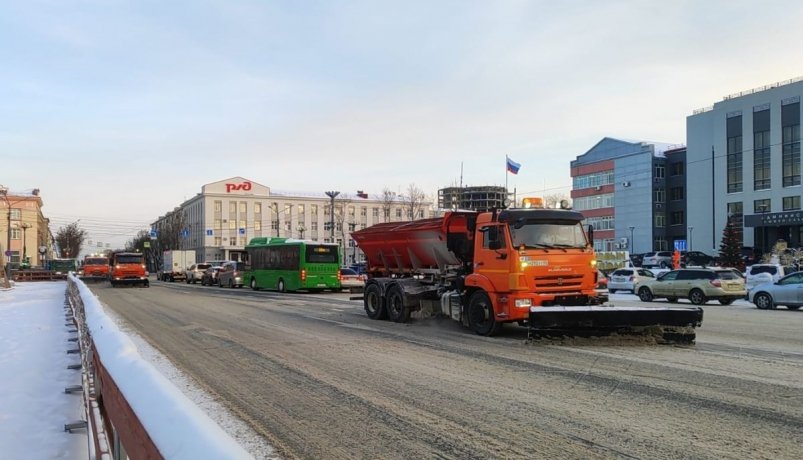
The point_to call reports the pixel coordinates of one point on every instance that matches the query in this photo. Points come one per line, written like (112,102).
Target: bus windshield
(545,235)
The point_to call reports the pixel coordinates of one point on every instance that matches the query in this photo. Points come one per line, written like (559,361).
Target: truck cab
(128,268)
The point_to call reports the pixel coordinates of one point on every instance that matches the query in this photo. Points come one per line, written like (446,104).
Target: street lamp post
(631,238)
(691,230)
(25,226)
(332,194)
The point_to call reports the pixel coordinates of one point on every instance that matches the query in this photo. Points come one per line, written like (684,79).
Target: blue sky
(119,110)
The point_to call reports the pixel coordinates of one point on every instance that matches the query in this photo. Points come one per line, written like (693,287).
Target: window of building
(600,223)
(232,224)
(232,207)
(734,154)
(257,225)
(676,168)
(761,160)
(274,224)
(339,226)
(421,214)
(676,193)
(218,206)
(218,224)
(288,225)
(398,212)
(300,209)
(314,225)
(593,180)
(313,209)
(16,214)
(243,224)
(660,219)
(660,171)
(16,234)
(288,210)
(660,244)
(375,212)
(586,203)
(677,218)
(363,212)
(791,203)
(351,211)
(790,121)
(761,206)
(736,217)
(257,208)
(243,207)
(659,195)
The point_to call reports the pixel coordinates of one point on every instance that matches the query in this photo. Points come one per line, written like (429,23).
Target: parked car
(196,272)
(636,259)
(763,273)
(662,259)
(695,258)
(209,278)
(787,291)
(231,274)
(625,279)
(699,285)
(351,280)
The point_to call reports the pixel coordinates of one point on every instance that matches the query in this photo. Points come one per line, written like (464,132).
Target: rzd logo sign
(244,186)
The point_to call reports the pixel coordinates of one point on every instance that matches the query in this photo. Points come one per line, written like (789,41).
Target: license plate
(321,285)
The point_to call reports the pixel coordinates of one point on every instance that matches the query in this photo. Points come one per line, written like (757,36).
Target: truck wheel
(481,315)
(697,297)
(397,311)
(372,299)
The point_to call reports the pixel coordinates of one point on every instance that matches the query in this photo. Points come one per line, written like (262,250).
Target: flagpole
(506,174)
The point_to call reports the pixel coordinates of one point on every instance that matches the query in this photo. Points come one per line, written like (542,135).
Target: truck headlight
(524,302)
(593,263)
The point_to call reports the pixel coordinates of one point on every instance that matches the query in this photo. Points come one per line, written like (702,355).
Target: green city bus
(286,264)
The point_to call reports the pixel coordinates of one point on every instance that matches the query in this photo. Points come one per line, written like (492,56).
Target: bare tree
(70,240)
(553,200)
(387,199)
(413,201)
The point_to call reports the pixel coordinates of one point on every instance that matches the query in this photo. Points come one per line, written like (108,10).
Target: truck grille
(558,283)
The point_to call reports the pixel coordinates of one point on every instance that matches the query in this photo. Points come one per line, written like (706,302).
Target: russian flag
(512,166)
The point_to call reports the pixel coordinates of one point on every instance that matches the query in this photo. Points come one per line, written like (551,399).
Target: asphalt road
(320,380)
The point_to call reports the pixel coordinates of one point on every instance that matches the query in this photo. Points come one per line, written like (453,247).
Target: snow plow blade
(675,324)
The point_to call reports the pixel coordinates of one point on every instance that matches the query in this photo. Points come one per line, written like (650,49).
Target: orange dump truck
(534,266)
(95,268)
(128,268)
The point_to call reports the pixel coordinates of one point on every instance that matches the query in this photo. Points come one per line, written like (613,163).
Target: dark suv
(695,258)
(699,285)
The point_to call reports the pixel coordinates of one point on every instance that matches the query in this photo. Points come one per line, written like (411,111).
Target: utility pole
(332,195)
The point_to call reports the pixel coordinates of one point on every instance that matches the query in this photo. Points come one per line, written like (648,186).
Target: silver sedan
(787,291)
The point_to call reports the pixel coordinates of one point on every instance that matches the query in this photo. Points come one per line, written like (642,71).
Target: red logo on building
(244,186)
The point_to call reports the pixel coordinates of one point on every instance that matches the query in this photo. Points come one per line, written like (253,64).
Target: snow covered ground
(185,422)
(33,357)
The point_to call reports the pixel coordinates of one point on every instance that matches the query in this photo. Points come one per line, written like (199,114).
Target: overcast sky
(120,110)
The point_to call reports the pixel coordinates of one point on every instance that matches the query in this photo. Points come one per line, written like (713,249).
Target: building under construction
(474,198)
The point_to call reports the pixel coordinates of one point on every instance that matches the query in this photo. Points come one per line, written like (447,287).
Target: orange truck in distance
(128,268)
(95,268)
(533,266)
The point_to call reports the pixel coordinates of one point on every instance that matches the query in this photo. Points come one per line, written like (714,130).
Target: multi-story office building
(483,198)
(621,189)
(222,219)
(29,237)
(743,165)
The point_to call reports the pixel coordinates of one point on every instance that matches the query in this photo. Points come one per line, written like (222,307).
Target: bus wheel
(396,309)
(481,315)
(281,287)
(372,299)
(254,284)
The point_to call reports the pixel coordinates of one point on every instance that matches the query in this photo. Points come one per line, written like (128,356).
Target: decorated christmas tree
(730,250)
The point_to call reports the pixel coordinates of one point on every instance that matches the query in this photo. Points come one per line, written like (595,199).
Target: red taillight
(339,276)
(716,283)
(303,275)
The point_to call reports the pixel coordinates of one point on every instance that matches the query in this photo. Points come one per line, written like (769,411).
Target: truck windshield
(548,236)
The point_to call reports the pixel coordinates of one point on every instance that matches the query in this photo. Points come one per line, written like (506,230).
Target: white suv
(196,272)
(762,273)
(662,259)
(625,279)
